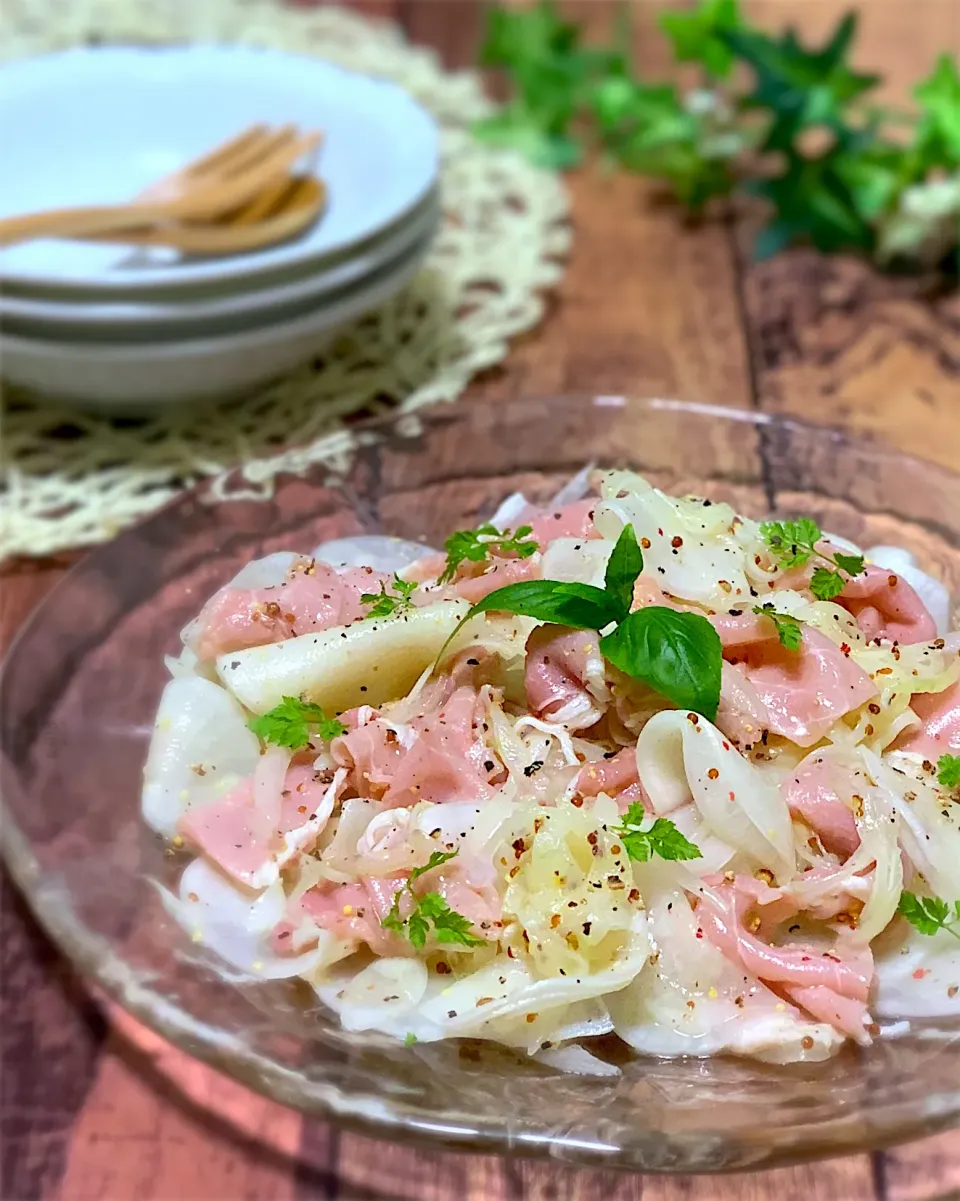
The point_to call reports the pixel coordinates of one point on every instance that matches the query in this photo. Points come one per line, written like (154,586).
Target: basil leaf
(563,603)
(625,564)
(677,654)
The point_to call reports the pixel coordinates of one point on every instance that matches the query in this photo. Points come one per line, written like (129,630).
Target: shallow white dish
(124,378)
(95,126)
(166,317)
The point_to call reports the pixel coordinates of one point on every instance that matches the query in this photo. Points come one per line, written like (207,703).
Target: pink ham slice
(497,574)
(313,597)
(803,692)
(939,733)
(556,671)
(234,832)
(832,986)
(886,606)
(815,792)
(351,912)
(439,757)
(568,521)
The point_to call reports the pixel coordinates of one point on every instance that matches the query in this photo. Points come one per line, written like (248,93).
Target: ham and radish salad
(631,763)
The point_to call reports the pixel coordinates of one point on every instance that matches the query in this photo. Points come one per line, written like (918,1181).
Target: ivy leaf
(948,771)
(694,34)
(294,723)
(789,629)
(623,567)
(516,128)
(801,88)
(939,98)
(677,654)
(642,841)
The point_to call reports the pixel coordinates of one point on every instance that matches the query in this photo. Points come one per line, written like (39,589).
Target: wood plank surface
(94,1107)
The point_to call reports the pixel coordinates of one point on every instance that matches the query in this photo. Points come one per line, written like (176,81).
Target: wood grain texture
(91,1110)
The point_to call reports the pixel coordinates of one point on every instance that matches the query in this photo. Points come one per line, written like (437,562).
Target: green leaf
(948,771)
(695,34)
(623,567)
(851,564)
(448,925)
(939,97)
(791,542)
(386,604)
(476,546)
(568,604)
(677,654)
(926,914)
(789,630)
(516,129)
(410,1039)
(642,841)
(826,584)
(294,723)
(435,860)
(801,88)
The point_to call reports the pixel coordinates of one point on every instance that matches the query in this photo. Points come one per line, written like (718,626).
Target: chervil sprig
(793,544)
(789,630)
(929,915)
(475,546)
(295,723)
(642,840)
(429,913)
(392,603)
(948,771)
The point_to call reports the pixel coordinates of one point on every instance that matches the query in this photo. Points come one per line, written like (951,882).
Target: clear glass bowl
(82,682)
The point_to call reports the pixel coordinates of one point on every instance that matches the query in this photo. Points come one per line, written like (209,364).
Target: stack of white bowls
(118,327)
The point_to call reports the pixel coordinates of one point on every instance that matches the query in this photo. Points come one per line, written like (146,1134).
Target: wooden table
(99,1108)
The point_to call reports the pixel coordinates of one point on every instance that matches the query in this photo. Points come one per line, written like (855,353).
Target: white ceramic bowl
(128,377)
(96,126)
(197,315)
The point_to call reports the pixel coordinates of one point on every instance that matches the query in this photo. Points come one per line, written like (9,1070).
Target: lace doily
(73,478)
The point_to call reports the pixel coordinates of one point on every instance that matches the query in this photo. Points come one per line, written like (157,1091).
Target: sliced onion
(378,551)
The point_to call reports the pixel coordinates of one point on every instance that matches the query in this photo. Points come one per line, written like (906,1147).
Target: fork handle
(80,222)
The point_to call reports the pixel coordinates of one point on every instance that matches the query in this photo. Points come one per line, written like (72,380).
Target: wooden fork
(274,215)
(219,182)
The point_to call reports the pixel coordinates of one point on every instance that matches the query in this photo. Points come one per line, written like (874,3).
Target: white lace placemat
(72,478)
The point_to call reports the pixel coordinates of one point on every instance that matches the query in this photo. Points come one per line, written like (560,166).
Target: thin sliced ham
(568,521)
(821,793)
(803,692)
(242,837)
(438,757)
(497,574)
(831,986)
(312,598)
(886,606)
(610,776)
(939,732)
(561,665)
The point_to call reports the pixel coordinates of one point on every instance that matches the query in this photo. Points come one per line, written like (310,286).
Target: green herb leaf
(948,771)
(475,546)
(623,567)
(430,910)
(386,603)
(410,1039)
(642,840)
(563,603)
(695,34)
(851,564)
(789,630)
(929,914)
(826,584)
(791,542)
(678,654)
(294,723)
(435,860)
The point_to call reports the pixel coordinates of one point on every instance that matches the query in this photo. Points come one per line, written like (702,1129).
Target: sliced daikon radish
(371,661)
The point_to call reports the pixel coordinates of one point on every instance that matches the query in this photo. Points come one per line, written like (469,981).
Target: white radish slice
(367,663)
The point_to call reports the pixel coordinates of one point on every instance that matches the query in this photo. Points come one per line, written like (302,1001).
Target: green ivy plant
(770,117)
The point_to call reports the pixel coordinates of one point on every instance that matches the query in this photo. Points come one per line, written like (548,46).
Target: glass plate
(82,682)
